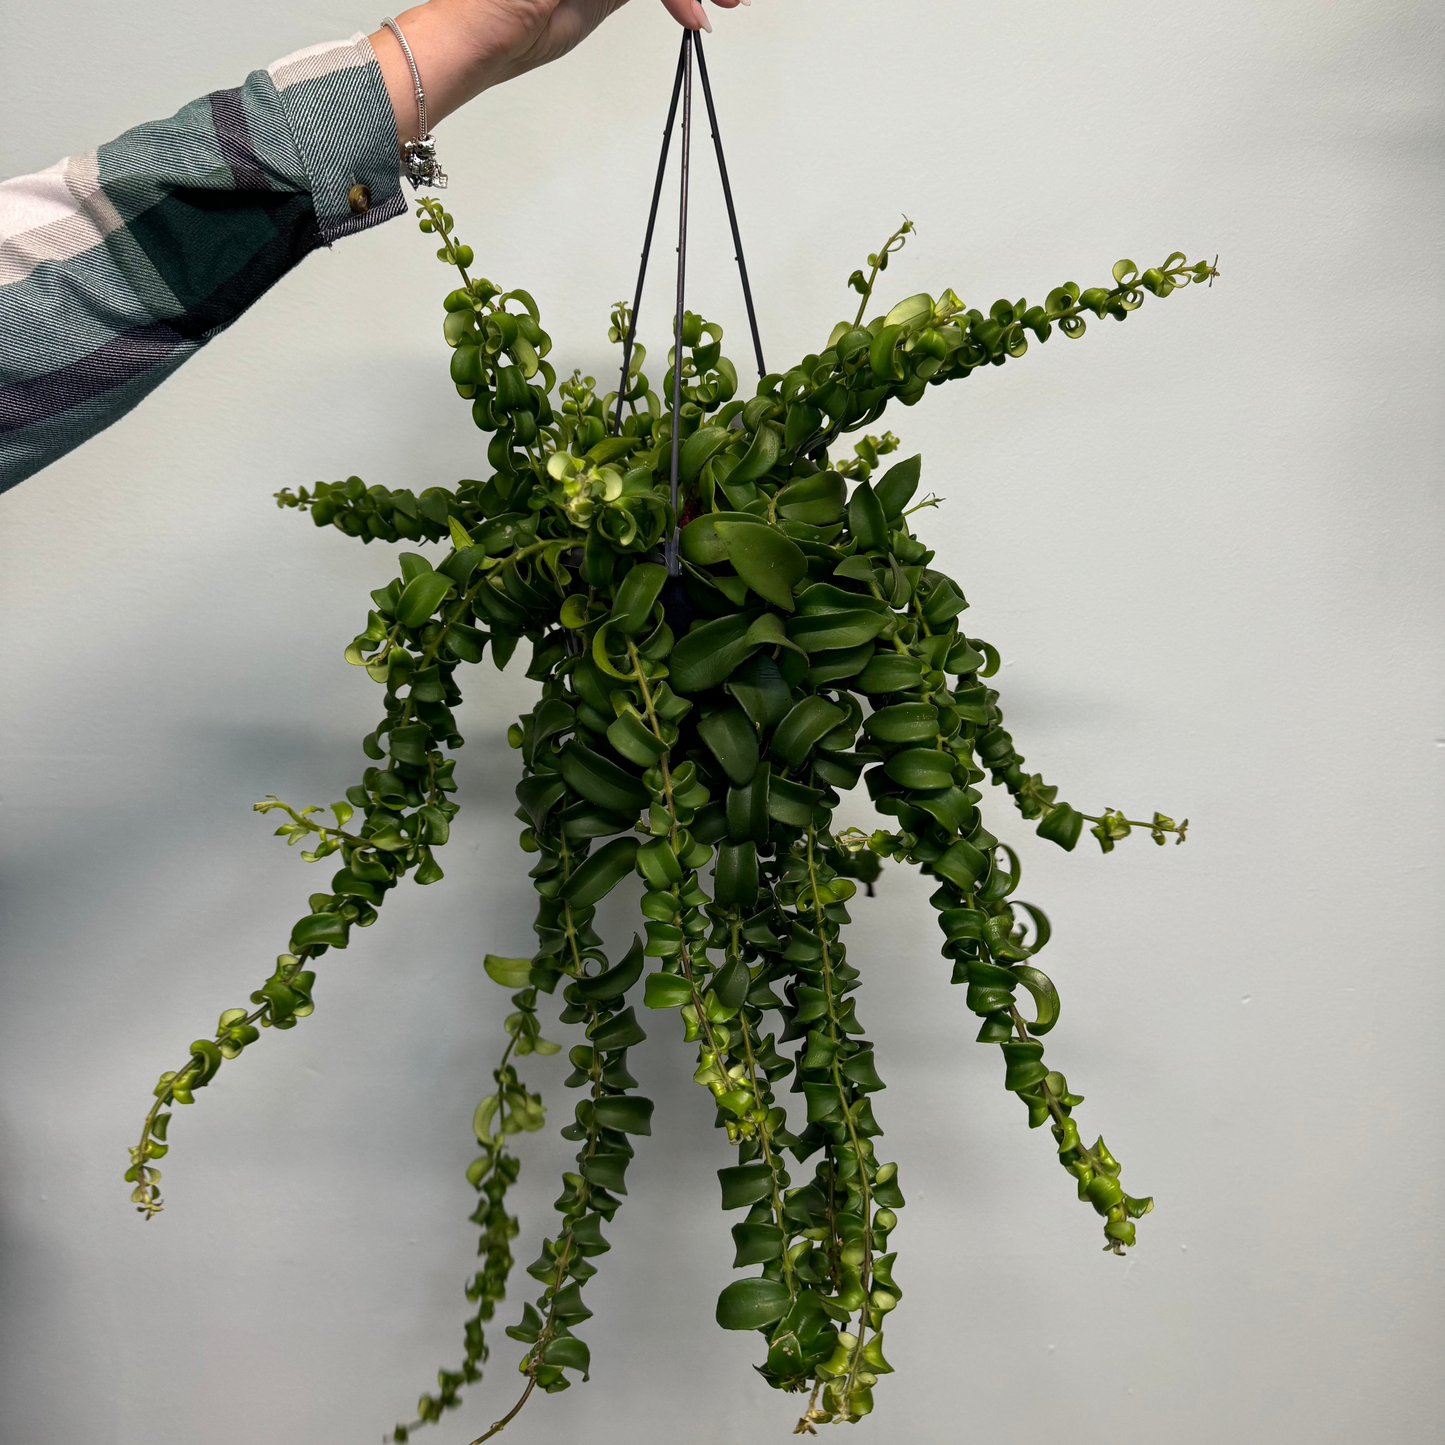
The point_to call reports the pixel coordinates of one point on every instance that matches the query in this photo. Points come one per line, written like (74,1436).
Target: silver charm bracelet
(419,156)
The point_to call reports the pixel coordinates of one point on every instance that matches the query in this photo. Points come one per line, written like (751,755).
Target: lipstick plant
(731,621)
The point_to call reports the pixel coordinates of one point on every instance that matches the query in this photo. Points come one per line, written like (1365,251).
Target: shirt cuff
(340,115)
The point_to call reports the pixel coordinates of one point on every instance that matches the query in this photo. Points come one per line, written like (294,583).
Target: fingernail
(702,15)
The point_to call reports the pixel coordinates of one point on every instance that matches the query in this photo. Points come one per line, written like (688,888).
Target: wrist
(449,43)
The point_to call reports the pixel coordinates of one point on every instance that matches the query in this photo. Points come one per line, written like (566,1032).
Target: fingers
(688,13)
(691,15)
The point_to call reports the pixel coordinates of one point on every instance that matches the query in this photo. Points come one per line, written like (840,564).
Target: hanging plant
(700,714)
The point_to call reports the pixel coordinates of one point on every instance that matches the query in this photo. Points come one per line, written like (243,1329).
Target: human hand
(463,47)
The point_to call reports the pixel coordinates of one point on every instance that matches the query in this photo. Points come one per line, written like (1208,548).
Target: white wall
(1207,544)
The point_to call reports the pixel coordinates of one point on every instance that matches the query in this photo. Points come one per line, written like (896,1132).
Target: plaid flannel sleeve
(118,265)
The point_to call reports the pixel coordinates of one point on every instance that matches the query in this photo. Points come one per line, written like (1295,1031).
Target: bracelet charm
(419,157)
(420,165)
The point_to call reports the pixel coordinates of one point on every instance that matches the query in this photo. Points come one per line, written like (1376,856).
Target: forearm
(118,265)
(457,59)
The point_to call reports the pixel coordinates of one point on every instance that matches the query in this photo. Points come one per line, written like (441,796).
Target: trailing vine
(696,732)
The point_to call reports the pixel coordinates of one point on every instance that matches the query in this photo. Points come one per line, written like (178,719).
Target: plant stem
(865,1272)
(699,1006)
(511,1414)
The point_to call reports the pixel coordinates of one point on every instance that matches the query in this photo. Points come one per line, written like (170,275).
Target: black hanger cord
(682,89)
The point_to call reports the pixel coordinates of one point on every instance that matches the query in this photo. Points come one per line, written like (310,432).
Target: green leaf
(610,449)
(963,865)
(601,781)
(708,654)
(482,1118)
(745,1184)
(762,690)
(769,630)
(881,357)
(803,423)
(205,1059)
(733,741)
(659,866)
(971,703)
(567,1304)
(735,879)
(413,565)
(912,309)
(699,542)
(509,972)
(635,740)
(504,644)
(747,809)
(666,990)
(822,1050)
(552,716)
(626,1113)
(538,794)
(860,1070)
(833,666)
(1062,826)
(891,672)
(959,923)
(944,602)
(823,1102)
(637,595)
(949,804)
(904,722)
(829,631)
(990,987)
(1023,1063)
(705,442)
(841,771)
(924,769)
(890,1196)
(460,565)
(529,1328)
(597,877)
(615,981)
(571,1354)
(320,928)
(1045,996)
(468,643)
(761,455)
(731,983)
(866,520)
(582,820)
(607,1170)
(409,744)
(421,597)
(896,489)
(791,802)
(587,1236)
(825,597)
(770,563)
(621,1031)
(752,1304)
(809,720)
(756,1243)
(817,500)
